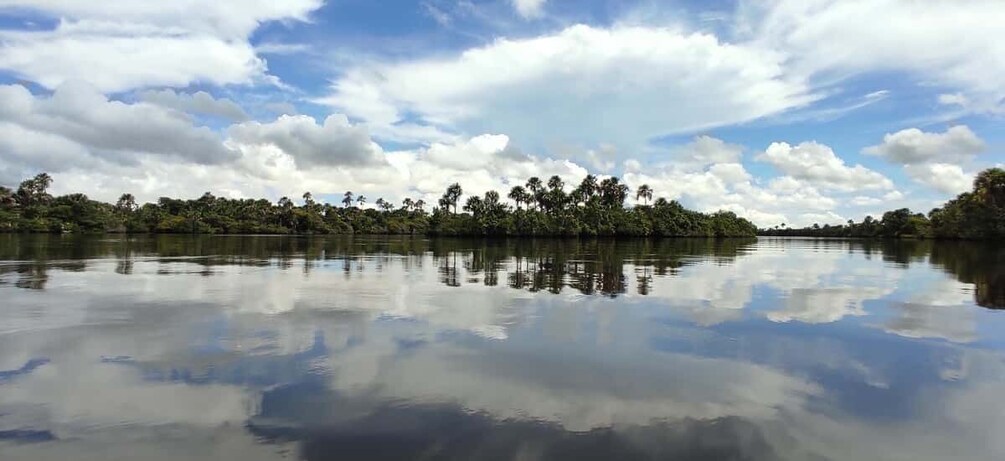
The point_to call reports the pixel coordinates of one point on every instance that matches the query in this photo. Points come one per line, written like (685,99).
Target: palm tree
(407,204)
(645,192)
(452,195)
(536,188)
(519,195)
(361,200)
(989,187)
(612,192)
(420,204)
(384,204)
(347,199)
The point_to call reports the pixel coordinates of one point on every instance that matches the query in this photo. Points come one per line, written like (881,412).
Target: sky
(783,111)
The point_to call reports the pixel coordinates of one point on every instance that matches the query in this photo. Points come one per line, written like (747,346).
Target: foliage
(543,208)
(975,215)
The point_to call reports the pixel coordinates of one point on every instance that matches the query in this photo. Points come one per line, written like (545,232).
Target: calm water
(257,348)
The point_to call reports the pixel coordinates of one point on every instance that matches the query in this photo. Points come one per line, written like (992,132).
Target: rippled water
(248,348)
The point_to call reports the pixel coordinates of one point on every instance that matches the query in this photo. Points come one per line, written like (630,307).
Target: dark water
(249,348)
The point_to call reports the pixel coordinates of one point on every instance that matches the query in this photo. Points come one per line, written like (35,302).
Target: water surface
(260,348)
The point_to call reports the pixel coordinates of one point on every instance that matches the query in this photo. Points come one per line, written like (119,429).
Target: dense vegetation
(592,208)
(979,214)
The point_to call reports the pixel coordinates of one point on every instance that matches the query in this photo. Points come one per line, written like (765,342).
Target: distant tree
(989,187)
(7,199)
(361,200)
(347,199)
(536,189)
(452,195)
(519,195)
(126,203)
(613,193)
(645,192)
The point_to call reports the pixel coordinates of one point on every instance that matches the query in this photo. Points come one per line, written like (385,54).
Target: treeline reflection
(591,267)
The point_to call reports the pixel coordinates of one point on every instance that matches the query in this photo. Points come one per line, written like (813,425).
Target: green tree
(644,192)
(451,196)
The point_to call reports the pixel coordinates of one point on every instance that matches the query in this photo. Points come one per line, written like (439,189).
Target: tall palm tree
(452,195)
(420,204)
(645,192)
(536,188)
(518,194)
(361,200)
(407,204)
(989,187)
(347,199)
(613,192)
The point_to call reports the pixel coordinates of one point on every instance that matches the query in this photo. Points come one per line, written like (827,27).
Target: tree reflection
(982,265)
(591,267)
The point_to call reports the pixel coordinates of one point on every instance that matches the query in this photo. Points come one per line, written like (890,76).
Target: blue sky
(782,111)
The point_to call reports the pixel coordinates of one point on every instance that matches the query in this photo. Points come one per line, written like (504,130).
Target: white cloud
(118,46)
(728,186)
(114,63)
(583,85)
(913,146)
(932,159)
(940,42)
(529,8)
(225,18)
(943,177)
(819,165)
(200,102)
(704,151)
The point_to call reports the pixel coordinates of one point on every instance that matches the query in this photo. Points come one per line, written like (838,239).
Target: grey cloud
(335,142)
(201,103)
(82,122)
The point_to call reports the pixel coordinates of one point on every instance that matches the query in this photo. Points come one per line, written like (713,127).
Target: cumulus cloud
(529,8)
(932,159)
(200,102)
(943,177)
(77,121)
(334,142)
(913,146)
(706,174)
(118,46)
(585,85)
(817,163)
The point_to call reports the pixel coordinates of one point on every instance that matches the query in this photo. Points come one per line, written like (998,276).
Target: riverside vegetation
(592,208)
(975,215)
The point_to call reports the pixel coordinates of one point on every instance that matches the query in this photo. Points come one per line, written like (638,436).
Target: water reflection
(588,266)
(374,348)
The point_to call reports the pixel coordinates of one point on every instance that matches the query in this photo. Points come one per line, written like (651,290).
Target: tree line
(975,215)
(593,207)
